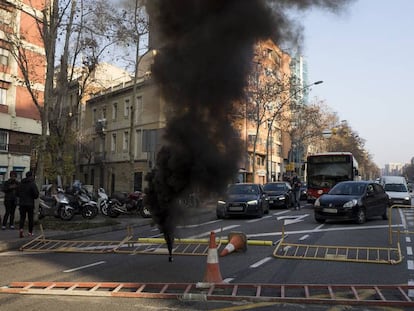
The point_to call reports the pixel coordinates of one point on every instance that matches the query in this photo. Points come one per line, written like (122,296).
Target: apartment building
(123,135)
(19,118)
(273,142)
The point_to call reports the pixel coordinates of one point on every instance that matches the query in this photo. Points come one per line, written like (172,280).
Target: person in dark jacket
(10,199)
(27,193)
(296,184)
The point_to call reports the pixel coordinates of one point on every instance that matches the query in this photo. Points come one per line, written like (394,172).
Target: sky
(365,56)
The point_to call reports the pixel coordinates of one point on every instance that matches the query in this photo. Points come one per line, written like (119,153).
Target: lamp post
(297,144)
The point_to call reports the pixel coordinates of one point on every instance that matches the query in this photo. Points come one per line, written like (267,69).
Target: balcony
(15,148)
(100,126)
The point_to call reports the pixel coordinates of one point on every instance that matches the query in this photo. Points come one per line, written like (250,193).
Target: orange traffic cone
(237,241)
(212,274)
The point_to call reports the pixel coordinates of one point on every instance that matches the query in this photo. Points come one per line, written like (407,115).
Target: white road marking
(215,231)
(410,264)
(304,237)
(259,219)
(408,239)
(281,213)
(411,291)
(260,262)
(287,220)
(228,280)
(409,250)
(84,267)
(202,224)
(257,235)
(402,218)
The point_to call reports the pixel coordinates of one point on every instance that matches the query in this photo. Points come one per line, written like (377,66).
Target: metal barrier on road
(345,294)
(361,254)
(128,245)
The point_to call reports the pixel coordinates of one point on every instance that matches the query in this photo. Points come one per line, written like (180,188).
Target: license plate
(235,208)
(270,201)
(330,210)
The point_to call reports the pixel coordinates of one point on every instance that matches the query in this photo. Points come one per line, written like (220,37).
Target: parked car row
(250,199)
(348,200)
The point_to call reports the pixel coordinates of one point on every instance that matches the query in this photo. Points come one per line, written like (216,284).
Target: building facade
(19,118)
(123,135)
(123,132)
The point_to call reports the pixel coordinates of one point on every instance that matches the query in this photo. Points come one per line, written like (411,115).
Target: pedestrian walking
(296,185)
(10,200)
(27,193)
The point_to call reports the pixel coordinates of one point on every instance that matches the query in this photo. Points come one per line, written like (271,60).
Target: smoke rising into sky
(205,53)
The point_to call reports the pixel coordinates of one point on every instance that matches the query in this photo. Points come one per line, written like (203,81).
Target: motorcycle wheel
(112,213)
(66,213)
(89,212)
(104,209)
(145,212)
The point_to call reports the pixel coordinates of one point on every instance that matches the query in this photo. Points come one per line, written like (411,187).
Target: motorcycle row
(65,204)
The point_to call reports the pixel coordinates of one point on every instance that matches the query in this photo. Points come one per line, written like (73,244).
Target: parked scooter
(128,204)
(82,203)
(102,201)
(54,204)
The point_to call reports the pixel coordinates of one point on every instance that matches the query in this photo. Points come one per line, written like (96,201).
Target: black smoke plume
(205,49)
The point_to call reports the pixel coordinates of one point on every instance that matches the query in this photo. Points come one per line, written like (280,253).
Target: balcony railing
(16,148)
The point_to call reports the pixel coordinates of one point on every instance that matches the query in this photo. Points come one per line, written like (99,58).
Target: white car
(398,194)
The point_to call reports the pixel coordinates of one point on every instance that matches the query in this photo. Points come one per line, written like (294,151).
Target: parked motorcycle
(128,204)
(82,203)
(102,201)
(55,204)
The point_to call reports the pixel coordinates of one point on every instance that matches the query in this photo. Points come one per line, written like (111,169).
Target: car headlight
(221,203)
(317,203)
(351,203)
(281,198)
(254,202)
(407,198)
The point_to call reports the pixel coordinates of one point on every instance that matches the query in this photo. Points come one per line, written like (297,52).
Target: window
(113,142)
(126,141)
(138,144)
(104,113)
(114,111)
(3,140)
(4,57)
(94,115)
(139,108)
(3,96)
(126,108)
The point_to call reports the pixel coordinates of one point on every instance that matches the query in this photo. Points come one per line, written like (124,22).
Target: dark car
(352,200)
(279,194)
(243,199)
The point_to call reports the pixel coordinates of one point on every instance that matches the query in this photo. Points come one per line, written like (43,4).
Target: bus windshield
(326,175)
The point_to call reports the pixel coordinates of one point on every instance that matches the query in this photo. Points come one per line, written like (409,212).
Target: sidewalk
(9,239)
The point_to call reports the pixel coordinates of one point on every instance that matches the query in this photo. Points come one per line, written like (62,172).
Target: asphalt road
(256,265)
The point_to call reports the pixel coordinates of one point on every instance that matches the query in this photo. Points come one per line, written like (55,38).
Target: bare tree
(267,102)
(74,33)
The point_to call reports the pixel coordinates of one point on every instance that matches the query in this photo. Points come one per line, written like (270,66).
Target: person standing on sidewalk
(10,200)
(27,193)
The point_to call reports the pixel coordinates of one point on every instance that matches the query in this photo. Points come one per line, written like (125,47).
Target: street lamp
(297,145)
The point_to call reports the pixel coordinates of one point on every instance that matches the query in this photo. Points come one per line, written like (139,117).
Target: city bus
(325,170)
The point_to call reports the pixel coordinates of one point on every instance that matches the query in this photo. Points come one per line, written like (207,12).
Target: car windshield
(395,187)
(348,189)
(243,189)
(274,187)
